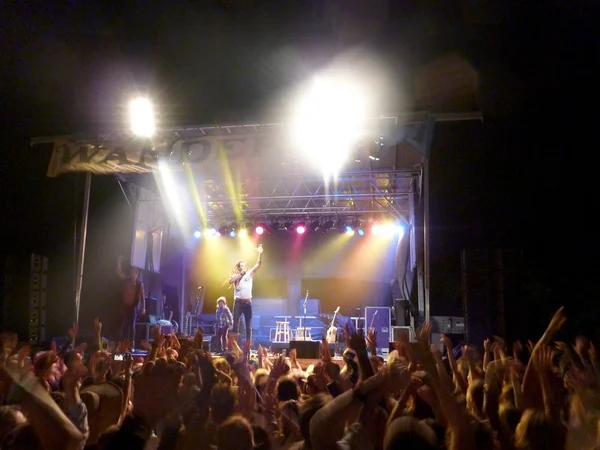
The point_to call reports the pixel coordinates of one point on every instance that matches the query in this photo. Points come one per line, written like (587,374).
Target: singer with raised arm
(241,279)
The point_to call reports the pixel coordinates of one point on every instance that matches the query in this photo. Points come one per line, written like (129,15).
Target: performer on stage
(224,323)
(132,297)
(241,279)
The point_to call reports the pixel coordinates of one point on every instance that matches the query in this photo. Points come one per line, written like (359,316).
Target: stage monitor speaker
(402,312)
(277,347)
(307,349)
(397,331)
(142,332)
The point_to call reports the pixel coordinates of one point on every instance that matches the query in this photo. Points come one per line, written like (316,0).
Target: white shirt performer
(241,279)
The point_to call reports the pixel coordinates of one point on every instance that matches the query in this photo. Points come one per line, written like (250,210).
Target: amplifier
(307,349)
(448,324)
(166,327)
(397,331)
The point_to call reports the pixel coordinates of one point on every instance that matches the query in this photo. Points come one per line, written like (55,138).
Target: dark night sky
(520,180)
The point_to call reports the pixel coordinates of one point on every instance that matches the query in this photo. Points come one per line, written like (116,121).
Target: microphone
(200,287)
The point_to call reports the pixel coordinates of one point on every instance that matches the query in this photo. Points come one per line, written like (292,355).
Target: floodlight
(232,233)
(141,117)
(197,234)
(300,229)
(328,122)
(243,233)
(361,232)
(211,232)
(259,230)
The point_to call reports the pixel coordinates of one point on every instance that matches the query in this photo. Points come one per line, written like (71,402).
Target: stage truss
(363,195)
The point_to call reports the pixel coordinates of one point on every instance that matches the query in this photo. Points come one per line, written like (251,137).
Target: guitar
(332,331)
(372,320)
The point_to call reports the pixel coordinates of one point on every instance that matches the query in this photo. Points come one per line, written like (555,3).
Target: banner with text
(259,154)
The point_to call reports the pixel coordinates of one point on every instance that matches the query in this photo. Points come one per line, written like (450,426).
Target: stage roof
(251,172)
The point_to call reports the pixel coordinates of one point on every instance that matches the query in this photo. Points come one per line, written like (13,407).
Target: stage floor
(304,363)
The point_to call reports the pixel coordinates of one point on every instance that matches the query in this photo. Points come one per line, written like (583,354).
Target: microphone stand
(305,301)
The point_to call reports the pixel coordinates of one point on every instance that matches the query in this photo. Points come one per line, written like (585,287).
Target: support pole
(82,240)
(183,302)
(426,234)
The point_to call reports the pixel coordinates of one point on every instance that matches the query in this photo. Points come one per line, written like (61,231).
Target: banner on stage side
(259,154)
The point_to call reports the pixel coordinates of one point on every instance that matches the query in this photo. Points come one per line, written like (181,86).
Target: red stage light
(300,229)
(259,230)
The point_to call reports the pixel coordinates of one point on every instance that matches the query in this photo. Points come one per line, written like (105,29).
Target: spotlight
(375,229)
(327,225)
(141,117)
(223,230)
(361,232)
(314,226)
(243,233)
(376,149)
(232,233)
(288,225)
(341,226)
(300,229)
(389,228)
(349,229)
(211,232)
(259,230)
(197,234)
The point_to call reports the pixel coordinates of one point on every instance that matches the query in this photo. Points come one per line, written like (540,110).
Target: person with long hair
(241,279)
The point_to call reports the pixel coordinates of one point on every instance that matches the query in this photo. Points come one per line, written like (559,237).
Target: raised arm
(119,269)
(259,261)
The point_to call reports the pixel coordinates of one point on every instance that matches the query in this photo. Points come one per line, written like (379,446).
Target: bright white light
(329,123)
(400,230)
(243,233)
(197,234)
(376,229)
(141,117)
(211,232)
(259,230)
(300,229)
(389,229)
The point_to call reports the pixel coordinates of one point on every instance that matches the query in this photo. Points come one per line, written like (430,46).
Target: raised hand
(543,359)
(487,345)
(73,331)
(448,342)
(500,342)
(557,321)
(97,325)
(423,335)
(156,390)
(259,249)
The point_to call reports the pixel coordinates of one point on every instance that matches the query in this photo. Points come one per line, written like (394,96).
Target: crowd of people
(541,395)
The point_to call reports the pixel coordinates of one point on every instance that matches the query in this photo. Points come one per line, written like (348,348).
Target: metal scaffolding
(358,194)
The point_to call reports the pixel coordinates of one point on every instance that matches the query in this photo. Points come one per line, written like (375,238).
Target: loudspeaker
(307,349)
(402,312)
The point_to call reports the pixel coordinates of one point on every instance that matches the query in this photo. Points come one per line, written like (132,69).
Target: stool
(282,332)
(304,334)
